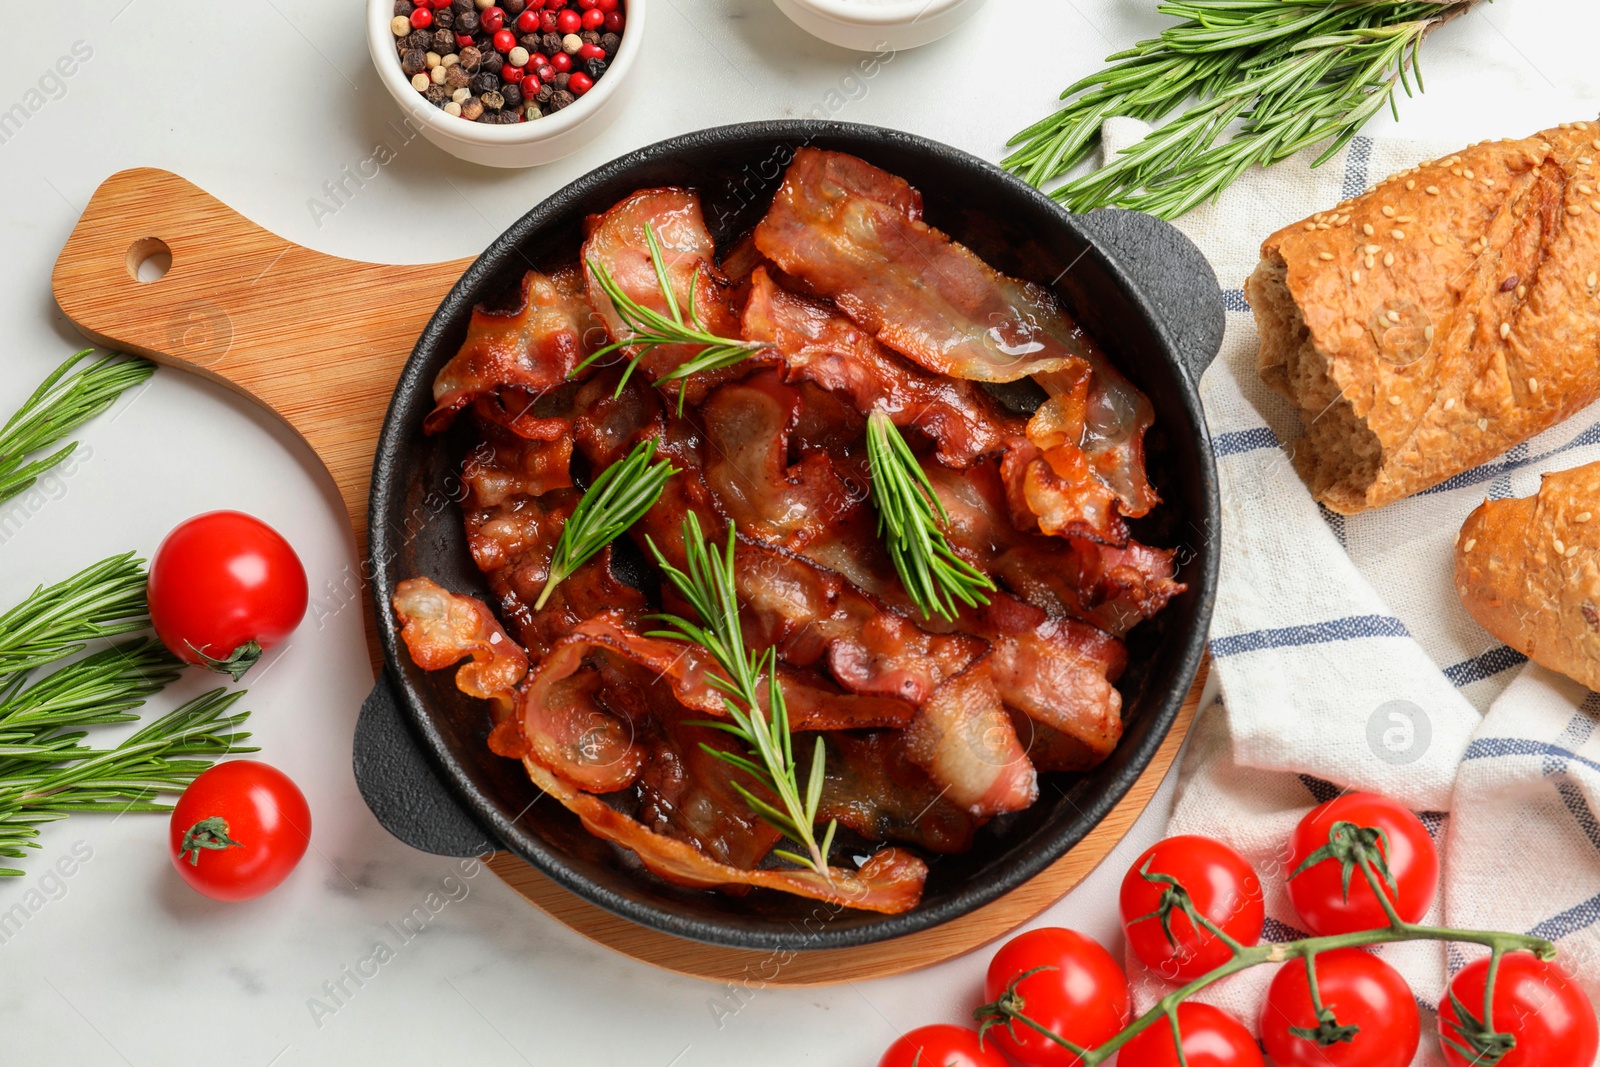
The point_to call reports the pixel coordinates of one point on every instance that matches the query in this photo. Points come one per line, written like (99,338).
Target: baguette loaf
(1428,325)
(1529,571)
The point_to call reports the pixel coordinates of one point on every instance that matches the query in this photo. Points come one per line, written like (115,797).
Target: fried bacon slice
(1060,674)
(440,628)
(875,789)
(505,464)
(889,882)
(617,241)
(964,739)
(534,346)
(823,346)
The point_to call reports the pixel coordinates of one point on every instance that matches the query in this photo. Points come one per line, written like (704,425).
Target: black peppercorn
(493,61)
(444,19)
(414,62)
(596,68)
(493,100)
(545,93)
(550,44)
(402,7)
(610,42)
(589,36)
(456,78)
(461,7)
(485,83)
(444,42)
(467,22)
(512,94)
(471,58)
(437,95)
(560,99)
(560,81)
(532,42)
(513,8)
(421,40)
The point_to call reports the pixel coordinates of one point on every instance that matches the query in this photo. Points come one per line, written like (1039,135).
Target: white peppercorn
(400,26)
(571,43)
(420,82)
(461,96)
(518,56)
(438,75)
(453,107)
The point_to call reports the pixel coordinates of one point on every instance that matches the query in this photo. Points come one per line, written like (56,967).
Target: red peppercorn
(547,22)
(422,18)
(530,85)
(568,22)
(492,19)
(607,6)
(535,61)
(528,21)
(593,19)
(615,22)
(587,4)
(579,83)
(504,41)
(511,75)
(464,40)
(545,73)
(591,51)
(440,5)
(555,5)
(561,62)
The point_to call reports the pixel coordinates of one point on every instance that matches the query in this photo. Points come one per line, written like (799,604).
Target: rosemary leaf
(909,519)
(1253,83)
(649,328)
(618,498)
(708,586)
(102,600)
(63,402)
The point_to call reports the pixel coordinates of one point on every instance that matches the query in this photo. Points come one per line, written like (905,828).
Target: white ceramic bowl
(524,144)
(879,25)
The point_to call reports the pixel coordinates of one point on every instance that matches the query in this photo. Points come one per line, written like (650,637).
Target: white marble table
(261,104)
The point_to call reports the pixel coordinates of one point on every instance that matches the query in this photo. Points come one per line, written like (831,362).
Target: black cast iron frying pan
(1135,282)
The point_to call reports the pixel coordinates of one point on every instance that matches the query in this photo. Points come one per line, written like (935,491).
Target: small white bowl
(523,144)
(879,25)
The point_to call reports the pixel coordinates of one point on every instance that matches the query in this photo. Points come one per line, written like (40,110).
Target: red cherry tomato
(238,830)
(1221,885)
(1211,1038)
(223,588)
(1362,991)
(1535,1002)
(1318,891)
(1080,993)
(942,1045)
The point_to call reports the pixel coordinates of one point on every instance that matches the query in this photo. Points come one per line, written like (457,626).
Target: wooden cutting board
(320,341)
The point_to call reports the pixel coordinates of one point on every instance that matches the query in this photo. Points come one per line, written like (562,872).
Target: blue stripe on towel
(1236,441)
(1570,921)
(1487,665)
(1497,747)
(1355,167)
(1347,629)
(1275,932)
(1233,300)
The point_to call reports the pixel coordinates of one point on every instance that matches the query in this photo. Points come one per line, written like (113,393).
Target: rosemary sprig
(60,405)
(708,588)
(618,498)
(649,328)
(163,757)
(102,600)
(909,518)
(1259,80)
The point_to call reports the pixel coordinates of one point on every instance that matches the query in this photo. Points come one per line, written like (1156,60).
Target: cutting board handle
(317,339)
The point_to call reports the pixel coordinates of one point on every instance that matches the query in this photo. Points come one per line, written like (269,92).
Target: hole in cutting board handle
(148,259)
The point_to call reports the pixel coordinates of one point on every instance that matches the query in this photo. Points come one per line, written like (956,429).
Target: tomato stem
(209,833)
(239,660)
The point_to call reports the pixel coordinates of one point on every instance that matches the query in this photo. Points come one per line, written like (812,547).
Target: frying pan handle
(400,787)
(1172,273)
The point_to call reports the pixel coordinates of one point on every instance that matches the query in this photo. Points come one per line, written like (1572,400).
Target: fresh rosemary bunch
(910,515)
(708,587)
(621,494)
(1258,80)
(62,778)
(102,600)
(649,328)
(61,404)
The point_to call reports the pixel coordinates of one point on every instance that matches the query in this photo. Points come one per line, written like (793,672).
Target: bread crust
(1529,571)
(1430,324)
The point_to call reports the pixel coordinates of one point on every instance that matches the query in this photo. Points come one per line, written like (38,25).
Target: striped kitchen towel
(1344,659)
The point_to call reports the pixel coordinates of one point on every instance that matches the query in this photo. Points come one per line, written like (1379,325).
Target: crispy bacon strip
(889,882)
(440,628)
(875,790)
(965,741)
(1060,674)
(617,241)
(823,346)
(505,464)
(534,346)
